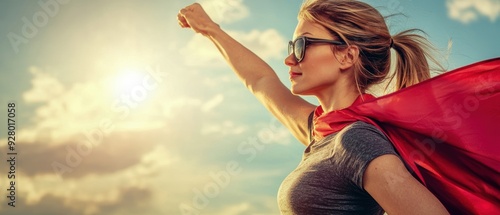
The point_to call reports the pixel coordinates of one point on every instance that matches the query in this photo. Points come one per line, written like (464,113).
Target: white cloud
(279,135)
(199,51)
(268,44)
(225,11)
(240,208)
(466,11)
(45,87)
(212,103)
(212,81)
(180,103)
(103,188)
(223,128)
(66,111)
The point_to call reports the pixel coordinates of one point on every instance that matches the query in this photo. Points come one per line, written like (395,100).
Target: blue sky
(120,111)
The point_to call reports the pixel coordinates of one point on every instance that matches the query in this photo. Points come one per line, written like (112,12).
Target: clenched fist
(195,17)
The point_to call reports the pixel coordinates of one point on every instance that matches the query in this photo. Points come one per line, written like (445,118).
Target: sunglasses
(299,45)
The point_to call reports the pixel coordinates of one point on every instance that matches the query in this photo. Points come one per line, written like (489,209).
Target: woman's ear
(349,57)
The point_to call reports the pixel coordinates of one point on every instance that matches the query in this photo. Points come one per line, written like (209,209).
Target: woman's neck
(337,99)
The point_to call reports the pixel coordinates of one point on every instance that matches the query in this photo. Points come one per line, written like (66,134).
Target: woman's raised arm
(256,74)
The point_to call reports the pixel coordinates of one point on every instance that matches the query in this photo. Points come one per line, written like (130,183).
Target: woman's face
(319,70)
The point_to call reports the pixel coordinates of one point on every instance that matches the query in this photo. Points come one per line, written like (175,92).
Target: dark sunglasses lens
(299,48)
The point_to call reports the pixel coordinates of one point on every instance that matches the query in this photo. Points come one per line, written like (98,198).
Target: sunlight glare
(127,79)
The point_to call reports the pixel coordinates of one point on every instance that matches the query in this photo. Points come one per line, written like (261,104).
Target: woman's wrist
(212,30)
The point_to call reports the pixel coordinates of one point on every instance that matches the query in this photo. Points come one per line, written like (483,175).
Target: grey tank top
(329,179)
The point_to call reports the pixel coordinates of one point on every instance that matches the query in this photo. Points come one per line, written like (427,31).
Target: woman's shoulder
(364,138)
(362,131)
(360,126)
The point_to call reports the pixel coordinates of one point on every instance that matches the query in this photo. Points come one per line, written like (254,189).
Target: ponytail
(412,52)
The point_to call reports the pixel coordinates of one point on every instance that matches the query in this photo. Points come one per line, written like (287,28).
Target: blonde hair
(358,23)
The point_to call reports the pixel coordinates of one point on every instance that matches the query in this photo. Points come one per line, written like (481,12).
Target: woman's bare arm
(255,74)
(396,190)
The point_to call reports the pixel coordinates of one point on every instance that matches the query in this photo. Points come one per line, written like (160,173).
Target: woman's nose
(290,60)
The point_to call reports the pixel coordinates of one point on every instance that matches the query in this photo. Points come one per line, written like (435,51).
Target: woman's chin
(295,91)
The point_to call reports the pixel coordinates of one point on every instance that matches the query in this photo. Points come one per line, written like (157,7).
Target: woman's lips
(294,74)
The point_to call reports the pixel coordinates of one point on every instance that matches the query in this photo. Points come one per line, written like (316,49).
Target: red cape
(445,129)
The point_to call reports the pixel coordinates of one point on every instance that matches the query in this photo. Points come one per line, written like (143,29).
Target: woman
(340,48)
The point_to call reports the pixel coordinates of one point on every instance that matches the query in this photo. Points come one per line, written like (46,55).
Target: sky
(118,110)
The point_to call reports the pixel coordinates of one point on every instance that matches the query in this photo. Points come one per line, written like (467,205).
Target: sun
(127,80)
